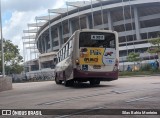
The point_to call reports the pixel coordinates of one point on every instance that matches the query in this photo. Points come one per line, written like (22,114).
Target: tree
(156,46)
(12,58)
(133,57)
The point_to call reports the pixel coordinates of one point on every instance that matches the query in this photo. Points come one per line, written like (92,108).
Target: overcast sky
(16,14)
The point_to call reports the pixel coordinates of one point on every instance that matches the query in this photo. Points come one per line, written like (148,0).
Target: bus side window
(66,53)
(70,47)
(112,44)
(61,57)
(70,44)
(58,57)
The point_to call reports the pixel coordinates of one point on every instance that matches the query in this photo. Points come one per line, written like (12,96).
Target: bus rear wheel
(68,83)
(94,82)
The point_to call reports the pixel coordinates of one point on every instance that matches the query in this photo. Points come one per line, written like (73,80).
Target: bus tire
(57,81)
(94,82)
(97,82)
(66,83)
(91,82)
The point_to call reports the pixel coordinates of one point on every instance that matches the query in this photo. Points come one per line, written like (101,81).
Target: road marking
(74,98)
(120,92)
(87,96)
(92,95)
(80,112)
(138,99)
(132,90)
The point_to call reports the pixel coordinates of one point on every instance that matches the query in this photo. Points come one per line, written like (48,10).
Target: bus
(88,55)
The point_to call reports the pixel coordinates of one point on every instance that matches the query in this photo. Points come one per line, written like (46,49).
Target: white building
(134,20)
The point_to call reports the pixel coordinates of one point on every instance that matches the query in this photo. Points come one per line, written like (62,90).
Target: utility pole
(2,51)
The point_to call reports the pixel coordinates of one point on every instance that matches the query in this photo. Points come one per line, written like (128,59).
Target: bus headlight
(77,62)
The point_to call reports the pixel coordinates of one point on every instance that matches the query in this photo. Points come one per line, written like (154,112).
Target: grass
(135,73)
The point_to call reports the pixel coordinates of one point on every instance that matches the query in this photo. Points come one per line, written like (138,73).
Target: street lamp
(3,69)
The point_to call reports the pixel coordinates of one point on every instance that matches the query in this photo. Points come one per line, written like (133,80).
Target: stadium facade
(136,21)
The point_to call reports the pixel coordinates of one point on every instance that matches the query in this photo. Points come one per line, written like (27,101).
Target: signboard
(97,56)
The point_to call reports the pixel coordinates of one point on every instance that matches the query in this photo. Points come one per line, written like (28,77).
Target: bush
(146,67)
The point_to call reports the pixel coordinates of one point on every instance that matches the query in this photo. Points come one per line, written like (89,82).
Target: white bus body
(88,55)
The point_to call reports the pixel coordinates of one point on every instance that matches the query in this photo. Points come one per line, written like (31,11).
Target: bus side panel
(69,68)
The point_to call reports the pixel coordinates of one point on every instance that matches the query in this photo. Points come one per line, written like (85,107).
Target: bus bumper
(102,76)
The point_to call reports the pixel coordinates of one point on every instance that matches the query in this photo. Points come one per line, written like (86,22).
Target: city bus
(88,55)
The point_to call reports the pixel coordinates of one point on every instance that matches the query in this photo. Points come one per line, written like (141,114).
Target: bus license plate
(97,67)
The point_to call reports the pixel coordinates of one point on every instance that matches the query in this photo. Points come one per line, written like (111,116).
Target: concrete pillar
(45,45)
(110,23)
(60,36)
(39,63)
(30,67)
(87,22)
(137,26)
(42,44)
(50,37)
(70,28)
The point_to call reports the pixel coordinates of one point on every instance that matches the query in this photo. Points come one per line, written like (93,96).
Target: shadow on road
(87,85)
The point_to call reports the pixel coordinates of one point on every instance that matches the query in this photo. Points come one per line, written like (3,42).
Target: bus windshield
(97,39)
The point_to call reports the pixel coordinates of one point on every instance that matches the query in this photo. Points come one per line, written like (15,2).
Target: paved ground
(125,93)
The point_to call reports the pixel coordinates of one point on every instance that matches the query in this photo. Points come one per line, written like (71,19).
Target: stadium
(136,21)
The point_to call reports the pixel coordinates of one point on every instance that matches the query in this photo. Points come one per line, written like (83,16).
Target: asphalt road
(124,93)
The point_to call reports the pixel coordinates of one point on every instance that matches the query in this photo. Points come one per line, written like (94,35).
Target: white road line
(92,95)
(138,99)
(74,98)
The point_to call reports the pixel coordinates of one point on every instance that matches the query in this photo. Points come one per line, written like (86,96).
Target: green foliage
(138,73)
(156,47)
(146,67)
(133,57)
(12,58)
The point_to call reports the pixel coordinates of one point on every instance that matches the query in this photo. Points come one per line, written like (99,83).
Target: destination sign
(97,37)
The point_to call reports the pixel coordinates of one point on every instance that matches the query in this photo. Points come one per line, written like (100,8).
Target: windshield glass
(97,39)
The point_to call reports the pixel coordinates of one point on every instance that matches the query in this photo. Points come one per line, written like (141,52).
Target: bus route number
(97,37)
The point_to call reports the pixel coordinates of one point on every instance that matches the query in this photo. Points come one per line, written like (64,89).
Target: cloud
(27,5)
(18,13)
(23,12)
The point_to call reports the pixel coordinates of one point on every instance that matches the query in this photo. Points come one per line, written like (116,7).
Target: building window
(117,15)
(122,28)
(148,10)
(150,23)
(55,43)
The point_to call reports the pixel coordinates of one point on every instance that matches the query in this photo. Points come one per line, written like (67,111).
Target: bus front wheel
(67,82)
(57,81)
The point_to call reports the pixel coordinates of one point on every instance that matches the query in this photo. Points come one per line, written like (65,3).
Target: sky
(16,14)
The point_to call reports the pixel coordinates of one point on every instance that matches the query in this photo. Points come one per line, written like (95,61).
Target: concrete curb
(5,84)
